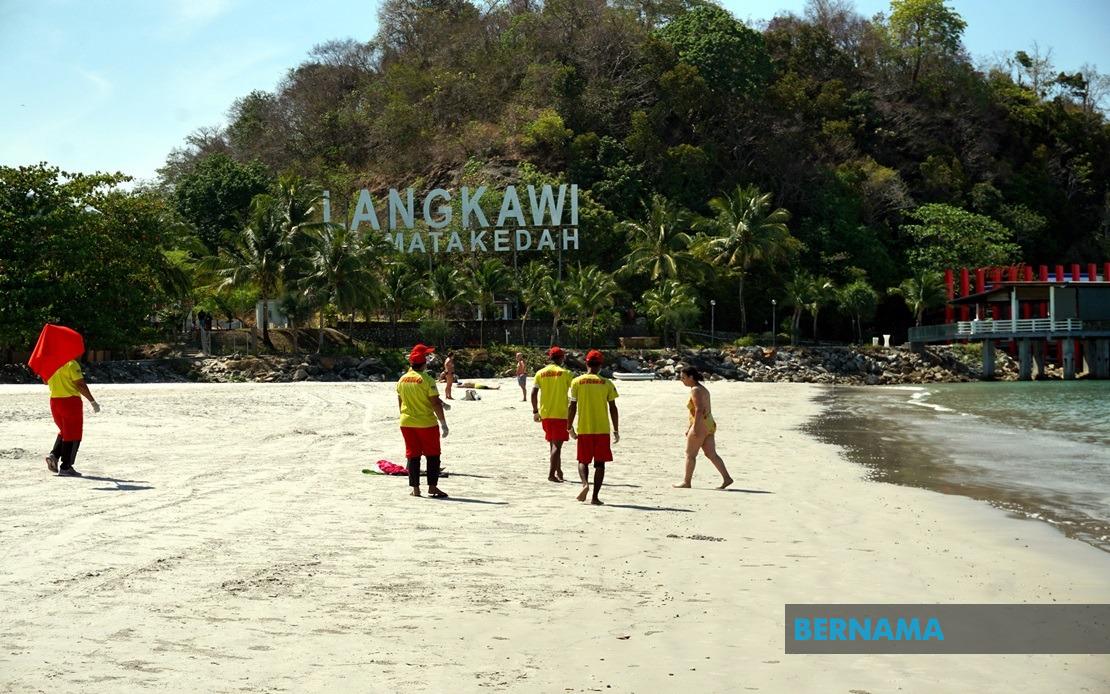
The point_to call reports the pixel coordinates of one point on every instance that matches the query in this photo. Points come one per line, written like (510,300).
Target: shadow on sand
(747,491)
(120,485)
(636,507)
(474,501)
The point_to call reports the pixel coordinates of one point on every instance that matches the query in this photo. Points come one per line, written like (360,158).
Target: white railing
(1019,325)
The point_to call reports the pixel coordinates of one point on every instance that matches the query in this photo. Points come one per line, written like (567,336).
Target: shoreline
(902,438)
(185,569)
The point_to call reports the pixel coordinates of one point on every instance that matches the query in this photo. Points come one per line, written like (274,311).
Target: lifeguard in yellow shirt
(550,403)
(421,409)
(592,400)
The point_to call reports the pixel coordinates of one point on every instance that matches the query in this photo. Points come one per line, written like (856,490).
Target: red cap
(419,354)
(595,357)
(555,352)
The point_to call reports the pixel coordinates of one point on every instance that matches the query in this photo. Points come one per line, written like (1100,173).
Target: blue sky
(113,85)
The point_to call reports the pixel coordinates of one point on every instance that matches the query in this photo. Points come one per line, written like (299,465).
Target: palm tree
(447,288)
(799,294)
(746,230)
(401,289)
(258,255)
(824,291)
(553,299)
(530,283)
(924,291)
(661,245)
(340,270)
(671,304)
(490,278)
(589,291)
(858,300)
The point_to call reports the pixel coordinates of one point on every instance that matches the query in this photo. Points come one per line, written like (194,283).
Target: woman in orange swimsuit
(700,432)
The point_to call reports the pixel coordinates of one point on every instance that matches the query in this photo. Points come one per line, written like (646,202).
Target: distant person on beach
(421,409)
(522,376)
(593,397)
(55,361)
(701,429)
(549,407)
(449,374)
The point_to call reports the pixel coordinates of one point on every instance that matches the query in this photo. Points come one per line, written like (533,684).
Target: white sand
(232,544)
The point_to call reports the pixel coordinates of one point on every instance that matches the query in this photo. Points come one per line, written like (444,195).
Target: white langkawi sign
(548,222)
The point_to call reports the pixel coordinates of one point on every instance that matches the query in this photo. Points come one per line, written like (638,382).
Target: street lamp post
(712,320)
(774,326)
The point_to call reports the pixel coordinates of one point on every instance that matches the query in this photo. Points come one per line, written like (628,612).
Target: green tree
(530,285)
(922,292)
(671,305)
(824,292)
(490,278)
(660,246)
(948,237)
(401,290)
(730,56)
(554,299)
(447,288)
(925,30)
(745,230)
(859,300)
(216,196)
(259,255)
(800,290)
(341,271)
(590,291)
(76,249)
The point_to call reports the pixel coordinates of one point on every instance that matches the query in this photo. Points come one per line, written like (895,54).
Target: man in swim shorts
(549,407)
(592,400)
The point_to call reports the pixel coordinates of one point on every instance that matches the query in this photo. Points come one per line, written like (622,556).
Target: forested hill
(851,123)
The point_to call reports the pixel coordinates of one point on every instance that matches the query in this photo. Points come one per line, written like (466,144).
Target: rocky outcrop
(840,365)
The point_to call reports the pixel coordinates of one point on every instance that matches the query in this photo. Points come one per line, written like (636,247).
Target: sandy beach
(224,539)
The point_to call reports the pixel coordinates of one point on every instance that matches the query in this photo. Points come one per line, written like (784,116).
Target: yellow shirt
(63,384)
(593,393)
(553,382)
(415,390)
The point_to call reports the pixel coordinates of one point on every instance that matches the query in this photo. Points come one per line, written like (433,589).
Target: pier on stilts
(1060,316)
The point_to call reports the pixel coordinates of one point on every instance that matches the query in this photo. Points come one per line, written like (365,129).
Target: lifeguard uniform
(419,425)
(65,402)
(593,393)
(553,382)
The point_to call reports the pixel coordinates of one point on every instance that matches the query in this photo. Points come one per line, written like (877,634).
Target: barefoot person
(592,399)
(522,376)
(421,409)
(549,407)
(54,360)
(701,430)
(449,374)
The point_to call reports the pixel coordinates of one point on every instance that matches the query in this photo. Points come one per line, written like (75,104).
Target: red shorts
(555,430)
(594,448)
(69,415)
(420,441)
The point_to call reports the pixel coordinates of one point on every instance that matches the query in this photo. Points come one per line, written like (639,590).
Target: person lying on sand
(479,386)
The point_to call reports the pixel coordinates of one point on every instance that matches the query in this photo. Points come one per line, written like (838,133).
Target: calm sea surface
(1038,449)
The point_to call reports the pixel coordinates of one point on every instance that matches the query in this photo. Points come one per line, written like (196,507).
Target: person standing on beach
(449,374)
(701,429)
(54,359)
(421,409)
(522,376)
(549,407)
(593,397)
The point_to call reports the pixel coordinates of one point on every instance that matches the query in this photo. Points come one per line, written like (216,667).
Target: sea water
(1039,449)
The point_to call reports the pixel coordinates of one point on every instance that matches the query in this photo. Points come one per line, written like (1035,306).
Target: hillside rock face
(830,365)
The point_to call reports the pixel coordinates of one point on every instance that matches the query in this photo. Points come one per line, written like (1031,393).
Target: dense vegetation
(827,161)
